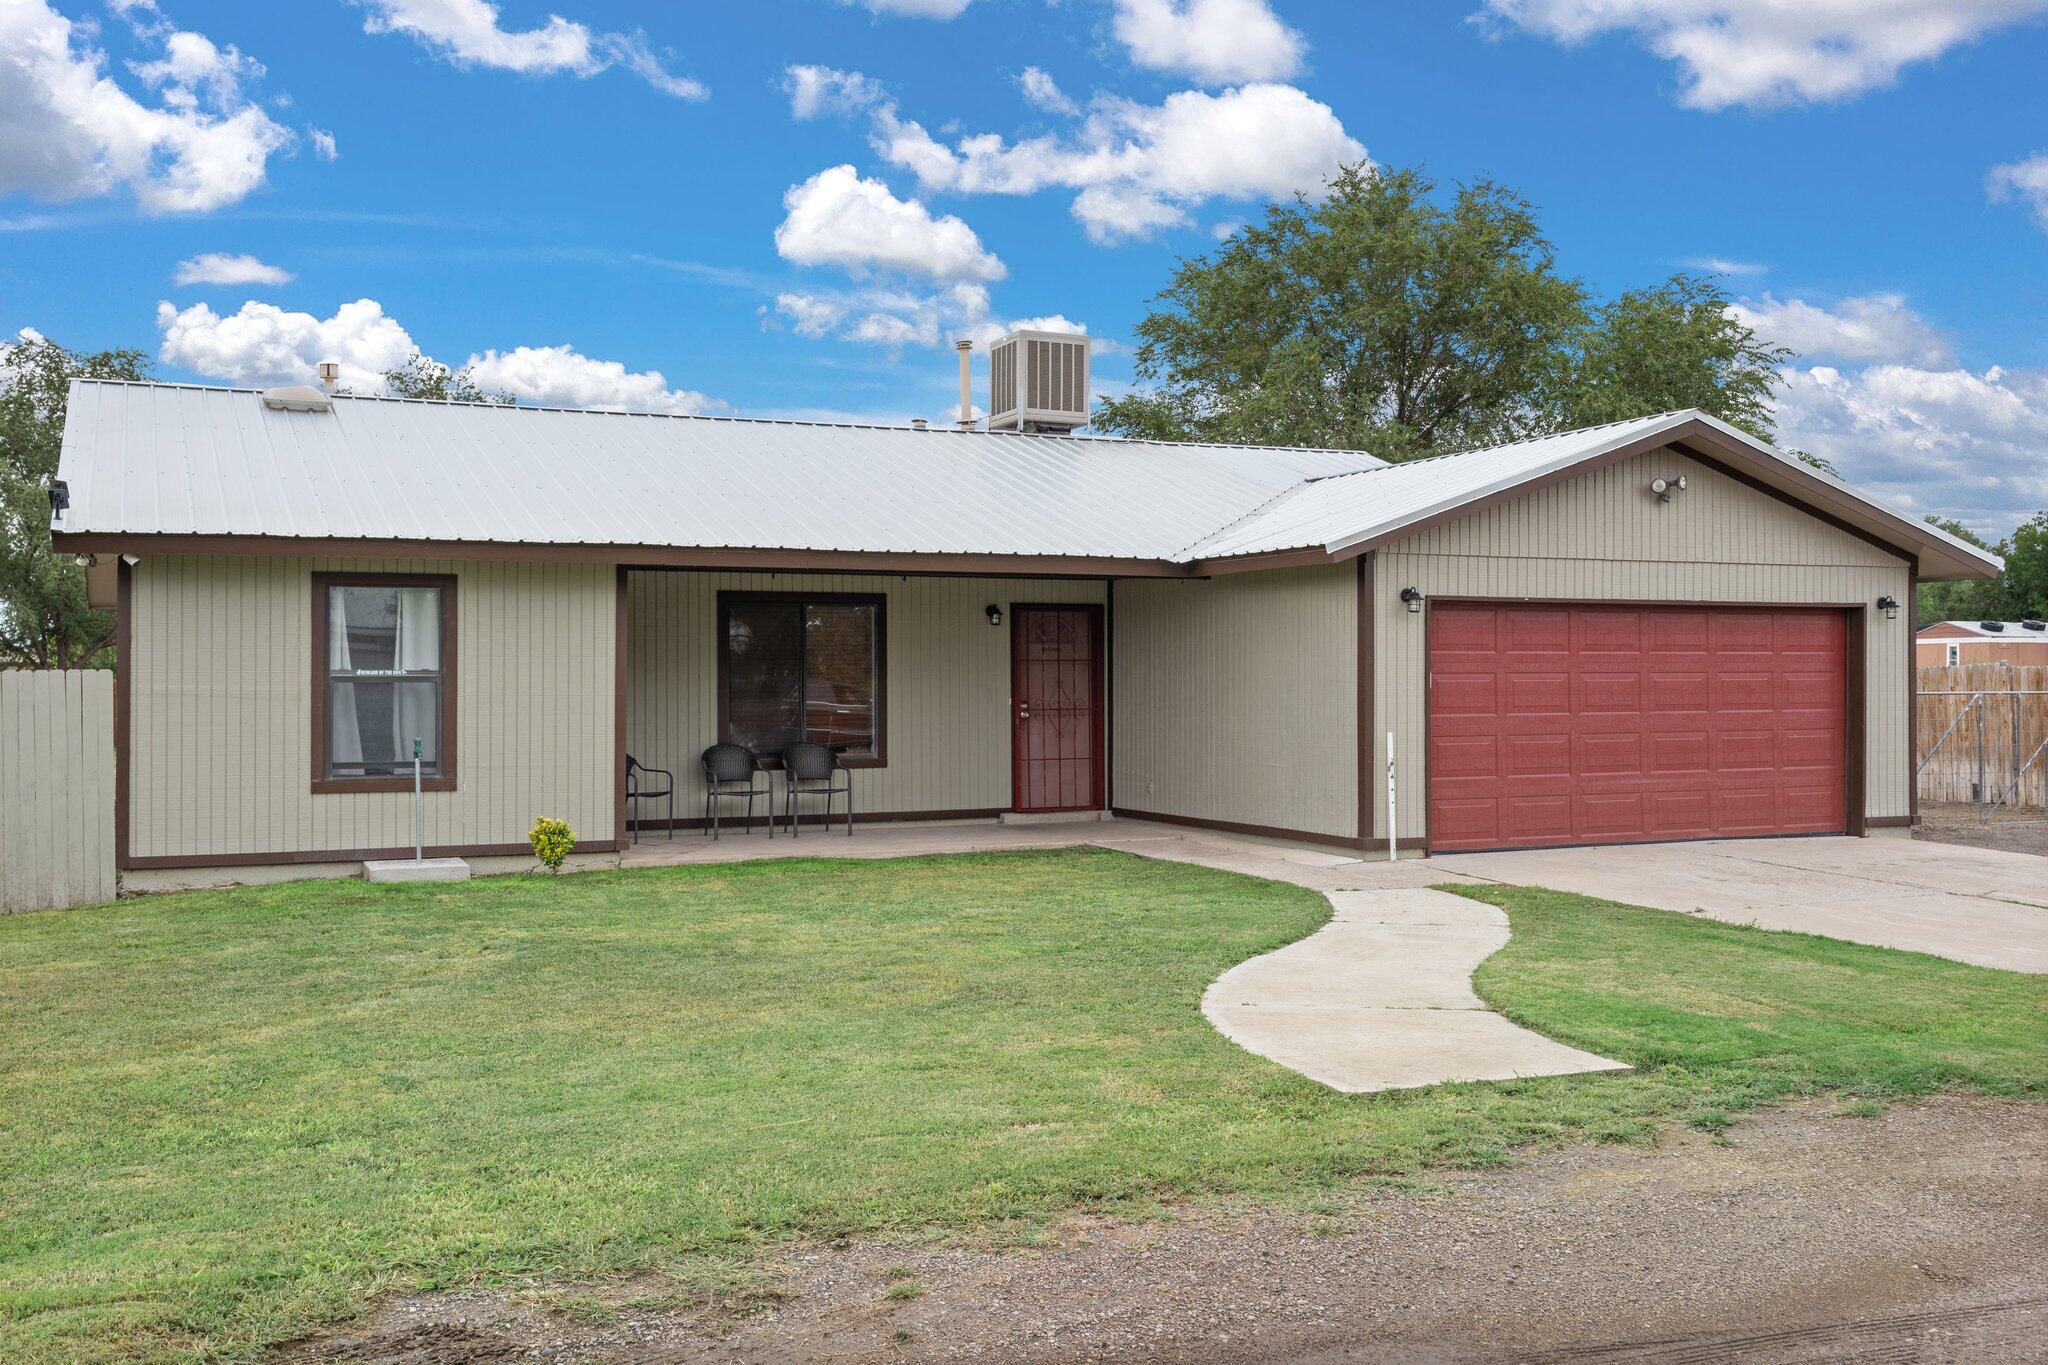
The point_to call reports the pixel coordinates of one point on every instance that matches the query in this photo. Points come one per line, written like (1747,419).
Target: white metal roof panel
(1344,511)
(187,459)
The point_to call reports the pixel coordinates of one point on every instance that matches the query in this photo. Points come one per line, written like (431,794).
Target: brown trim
(620,657)
(1856,720)
(444,781)
(1911,606)
(865,817)
(1108,692)
(1891,821)
(302,857)
(1098,637)
(1365,698)
(1343,841)
(879,601)
(633,556)
(1855,668)
(124,703)
(1266,559)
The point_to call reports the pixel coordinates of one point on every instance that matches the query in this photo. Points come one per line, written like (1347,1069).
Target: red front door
(1056,707)
(1610,725)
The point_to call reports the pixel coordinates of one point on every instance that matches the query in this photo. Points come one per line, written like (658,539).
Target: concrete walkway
(1975,905)
(1380,998)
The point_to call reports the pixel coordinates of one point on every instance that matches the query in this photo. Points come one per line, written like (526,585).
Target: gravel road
(1804,1235)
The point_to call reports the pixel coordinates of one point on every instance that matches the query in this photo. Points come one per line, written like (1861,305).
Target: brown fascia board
(631,556)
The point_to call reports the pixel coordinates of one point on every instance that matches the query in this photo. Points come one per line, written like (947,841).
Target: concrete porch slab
(416,870)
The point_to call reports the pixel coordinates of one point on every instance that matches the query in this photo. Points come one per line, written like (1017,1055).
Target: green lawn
(228,1116)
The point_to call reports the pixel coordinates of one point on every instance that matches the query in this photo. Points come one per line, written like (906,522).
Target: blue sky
(621,204)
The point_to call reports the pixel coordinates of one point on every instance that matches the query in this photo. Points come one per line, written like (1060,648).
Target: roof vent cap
(2034,625)
(1994,626)
(297,398)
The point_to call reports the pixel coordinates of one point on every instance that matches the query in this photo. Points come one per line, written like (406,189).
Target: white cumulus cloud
(815,90)
(1772,52)
(1870,327)
(1216,42)
(324,144)
(68,130)
(914,9)
(220,267)
(472,33)
(838,218)
(262,344)
(2025,180)
(1947,441)
(1140,168)
(1042,92)
(561,376)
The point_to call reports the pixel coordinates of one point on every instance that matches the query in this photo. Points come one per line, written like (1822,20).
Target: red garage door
(1611,725)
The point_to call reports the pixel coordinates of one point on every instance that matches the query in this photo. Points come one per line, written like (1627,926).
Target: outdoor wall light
(994,614)
(1890,607)
(1664,488)
(1412,598)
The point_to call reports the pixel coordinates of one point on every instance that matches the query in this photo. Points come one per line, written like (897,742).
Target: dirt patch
(1805,1234)
(1952,822)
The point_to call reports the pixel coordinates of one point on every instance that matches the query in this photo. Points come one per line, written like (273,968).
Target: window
(1955,654)
(802,667)
(383,676)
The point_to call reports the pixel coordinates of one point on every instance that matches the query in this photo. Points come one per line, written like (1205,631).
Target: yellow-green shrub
(551,839)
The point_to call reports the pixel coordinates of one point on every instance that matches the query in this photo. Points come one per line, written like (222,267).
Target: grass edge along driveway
(228,1117)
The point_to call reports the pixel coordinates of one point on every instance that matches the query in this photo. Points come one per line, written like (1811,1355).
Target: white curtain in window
(344,729)
(419,630)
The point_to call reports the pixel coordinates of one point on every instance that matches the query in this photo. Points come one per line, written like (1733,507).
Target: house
(1657,629)
(1982,642)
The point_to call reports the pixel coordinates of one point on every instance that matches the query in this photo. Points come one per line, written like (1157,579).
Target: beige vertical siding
(1236,698)
(56,789)
(948,680)
(1603,536)
(221,733)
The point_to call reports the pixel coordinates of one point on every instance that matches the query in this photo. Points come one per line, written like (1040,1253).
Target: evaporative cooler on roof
(1038,381)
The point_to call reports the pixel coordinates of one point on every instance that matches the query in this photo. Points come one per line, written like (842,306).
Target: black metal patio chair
(724,765)
(814,770)
(648,784)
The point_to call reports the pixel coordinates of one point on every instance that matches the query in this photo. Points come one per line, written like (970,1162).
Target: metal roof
(1348,511)
(187,459)
(182,459)
(2029,632)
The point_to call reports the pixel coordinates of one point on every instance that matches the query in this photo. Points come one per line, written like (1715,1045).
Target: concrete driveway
(1975,905)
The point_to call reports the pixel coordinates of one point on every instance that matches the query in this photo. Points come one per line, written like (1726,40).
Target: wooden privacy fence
(56,788)
(1976,726)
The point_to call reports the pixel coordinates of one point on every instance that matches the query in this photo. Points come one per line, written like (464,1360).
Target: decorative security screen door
(1056,706)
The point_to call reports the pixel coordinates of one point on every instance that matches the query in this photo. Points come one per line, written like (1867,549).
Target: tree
(1668,347)
(421,377)
(2019,592)
(44,621)
(1374,318)
(1381,319)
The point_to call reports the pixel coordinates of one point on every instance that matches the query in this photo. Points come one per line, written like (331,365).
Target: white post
(1393,844)
(419,818)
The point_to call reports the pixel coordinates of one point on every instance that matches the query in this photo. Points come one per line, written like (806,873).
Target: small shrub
(551,839)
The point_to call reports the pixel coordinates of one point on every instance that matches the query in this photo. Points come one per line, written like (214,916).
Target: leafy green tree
(1373,318)
(421,377)
(1667,347)
(2018,593)
(44,621)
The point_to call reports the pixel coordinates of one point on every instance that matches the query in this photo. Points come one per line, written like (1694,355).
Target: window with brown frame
(803,666)
(383,677)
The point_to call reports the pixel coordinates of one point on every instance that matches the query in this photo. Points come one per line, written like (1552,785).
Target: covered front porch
(945,699)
